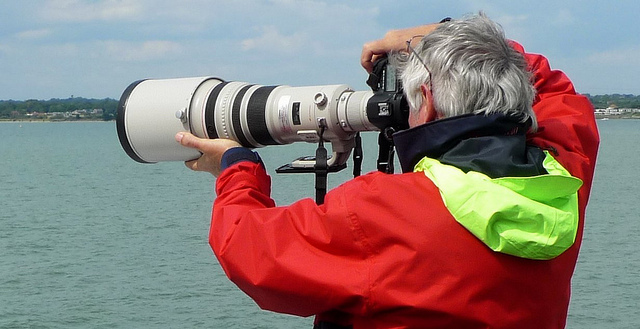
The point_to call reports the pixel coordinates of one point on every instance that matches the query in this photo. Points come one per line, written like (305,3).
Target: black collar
(465,137)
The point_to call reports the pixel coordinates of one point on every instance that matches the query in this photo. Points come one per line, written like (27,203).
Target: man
(481,230)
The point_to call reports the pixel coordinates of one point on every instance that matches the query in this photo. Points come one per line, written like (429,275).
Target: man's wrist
(238,154)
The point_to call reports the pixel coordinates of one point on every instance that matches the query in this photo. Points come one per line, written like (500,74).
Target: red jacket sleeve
(566,119)
(567,126)
(297,259)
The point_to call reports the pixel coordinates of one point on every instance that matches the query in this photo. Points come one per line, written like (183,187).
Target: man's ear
(427,103)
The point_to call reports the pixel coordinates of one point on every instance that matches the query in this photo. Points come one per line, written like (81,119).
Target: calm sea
(91,239)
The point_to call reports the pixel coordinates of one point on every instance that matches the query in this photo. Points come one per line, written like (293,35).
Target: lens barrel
(151,112)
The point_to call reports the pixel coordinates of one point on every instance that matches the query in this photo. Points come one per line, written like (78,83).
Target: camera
(150,113)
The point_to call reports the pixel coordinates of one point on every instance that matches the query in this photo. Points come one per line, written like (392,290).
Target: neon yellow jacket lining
(530,217)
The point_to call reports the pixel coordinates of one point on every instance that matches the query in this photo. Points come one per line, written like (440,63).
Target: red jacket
(383,251)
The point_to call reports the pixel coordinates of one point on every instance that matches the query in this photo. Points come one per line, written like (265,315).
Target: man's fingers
(193,164)
(366,59)
(370,52)
(212,151)
(394,40)
(188,140)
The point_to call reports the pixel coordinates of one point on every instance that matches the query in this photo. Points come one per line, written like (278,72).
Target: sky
(96,48)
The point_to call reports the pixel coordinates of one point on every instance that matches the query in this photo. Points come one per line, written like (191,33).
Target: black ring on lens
(210,110)
(121,126)
(235,117)
(256,118)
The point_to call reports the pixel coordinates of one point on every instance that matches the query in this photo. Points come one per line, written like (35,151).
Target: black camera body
(388,107)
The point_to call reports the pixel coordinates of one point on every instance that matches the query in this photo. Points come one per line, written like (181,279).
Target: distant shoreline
(51,121)
(626,116)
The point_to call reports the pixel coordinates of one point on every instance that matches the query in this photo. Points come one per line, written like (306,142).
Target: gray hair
(473,70)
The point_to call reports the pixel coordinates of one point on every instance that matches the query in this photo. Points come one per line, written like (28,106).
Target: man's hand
(212,151)
(395,40)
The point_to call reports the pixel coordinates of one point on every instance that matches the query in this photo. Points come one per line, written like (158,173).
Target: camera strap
(386,151)
(321,169)
(357,156)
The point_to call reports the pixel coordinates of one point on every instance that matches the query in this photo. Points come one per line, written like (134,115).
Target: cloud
(99,53)
(83,11)
(272,41)
(512,20)
(59,51)
(4,49)
(136,52)
(563,17)
(34,34)
(625,57)
(296,42)
(609,71)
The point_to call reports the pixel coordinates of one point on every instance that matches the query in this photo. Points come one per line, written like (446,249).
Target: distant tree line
(42,109)
(95,109)
(620,101)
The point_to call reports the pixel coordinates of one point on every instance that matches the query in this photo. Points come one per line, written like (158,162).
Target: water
(606,285)
(91,239)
